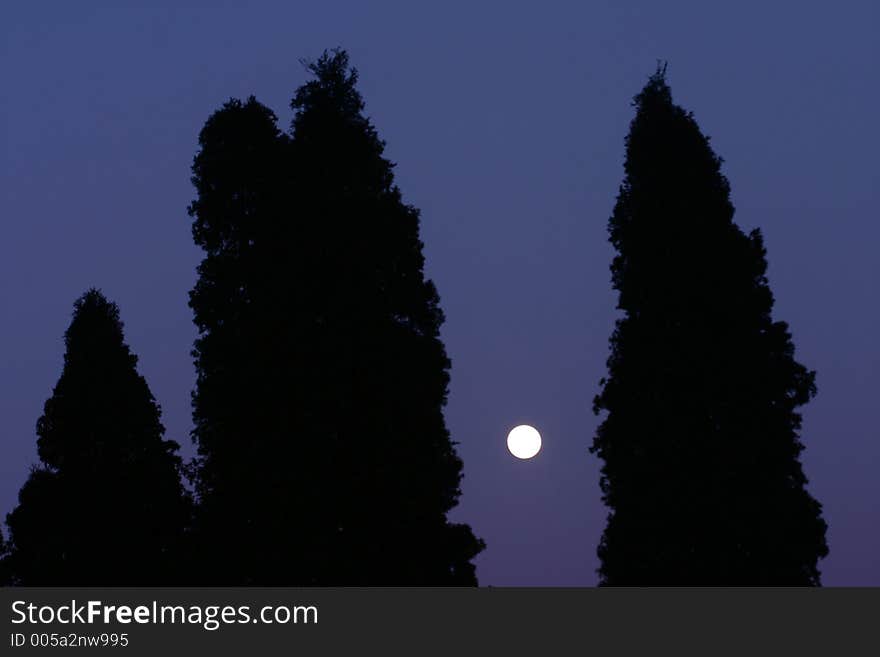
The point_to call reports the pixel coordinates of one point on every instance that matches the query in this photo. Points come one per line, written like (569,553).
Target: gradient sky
(507,124)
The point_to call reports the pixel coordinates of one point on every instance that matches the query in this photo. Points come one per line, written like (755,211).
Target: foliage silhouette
(323,456)
(105,506)
(701,438)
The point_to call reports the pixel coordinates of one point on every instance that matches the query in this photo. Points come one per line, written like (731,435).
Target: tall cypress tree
(383,371)
(701,438)
(105,506)
(238,403)
(324,454)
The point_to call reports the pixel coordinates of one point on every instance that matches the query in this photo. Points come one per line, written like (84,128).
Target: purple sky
(507,126)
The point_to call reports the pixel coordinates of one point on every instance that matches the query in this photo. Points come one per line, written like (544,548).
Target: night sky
(507,126)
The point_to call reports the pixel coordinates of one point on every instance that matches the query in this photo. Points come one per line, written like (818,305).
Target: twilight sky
(507,125)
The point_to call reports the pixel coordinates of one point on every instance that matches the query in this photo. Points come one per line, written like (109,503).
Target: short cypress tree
(105,506)
(701,438)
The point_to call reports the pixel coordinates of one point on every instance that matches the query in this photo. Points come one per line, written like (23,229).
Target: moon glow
(524,441)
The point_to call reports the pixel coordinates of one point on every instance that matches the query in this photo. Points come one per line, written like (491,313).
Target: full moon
(524,441)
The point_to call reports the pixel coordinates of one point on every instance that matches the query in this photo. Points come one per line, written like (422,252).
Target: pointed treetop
(660,73)
(94,301)
(656,88)
(329,122)
(334,85)
(93,313)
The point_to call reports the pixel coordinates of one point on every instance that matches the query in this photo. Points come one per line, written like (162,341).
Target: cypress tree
(701,439)
(324,456)
(105,505)
(378,344)
(242,529)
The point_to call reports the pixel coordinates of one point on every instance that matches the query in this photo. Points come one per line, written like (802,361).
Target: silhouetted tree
(239,176)
(105,506)
(701,439)
(380,369)
(323,452)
